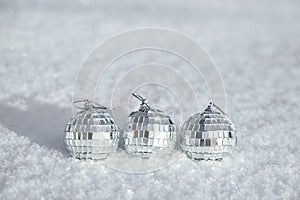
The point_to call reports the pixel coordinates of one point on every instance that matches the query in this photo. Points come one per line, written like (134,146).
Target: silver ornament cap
(149,131)
(209,135)
(91,133)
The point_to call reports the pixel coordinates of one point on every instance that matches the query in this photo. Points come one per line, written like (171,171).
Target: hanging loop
(88,104)
(144,105)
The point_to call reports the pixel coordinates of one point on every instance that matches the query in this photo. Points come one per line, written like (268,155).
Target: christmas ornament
(209,135)
(149,131)
(91,133)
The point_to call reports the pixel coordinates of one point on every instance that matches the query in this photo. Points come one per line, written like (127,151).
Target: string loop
(88,104)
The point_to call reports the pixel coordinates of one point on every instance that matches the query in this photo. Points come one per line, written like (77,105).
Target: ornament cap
(213,107)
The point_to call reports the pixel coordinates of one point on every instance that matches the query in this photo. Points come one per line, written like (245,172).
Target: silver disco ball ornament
(91,133)
(209,135)
(149,132)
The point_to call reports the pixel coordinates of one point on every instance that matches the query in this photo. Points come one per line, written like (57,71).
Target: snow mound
(30,171)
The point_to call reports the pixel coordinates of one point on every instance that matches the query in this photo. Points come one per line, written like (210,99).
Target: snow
(255,45)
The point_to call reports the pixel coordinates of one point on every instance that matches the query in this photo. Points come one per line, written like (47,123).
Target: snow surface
(256,46)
